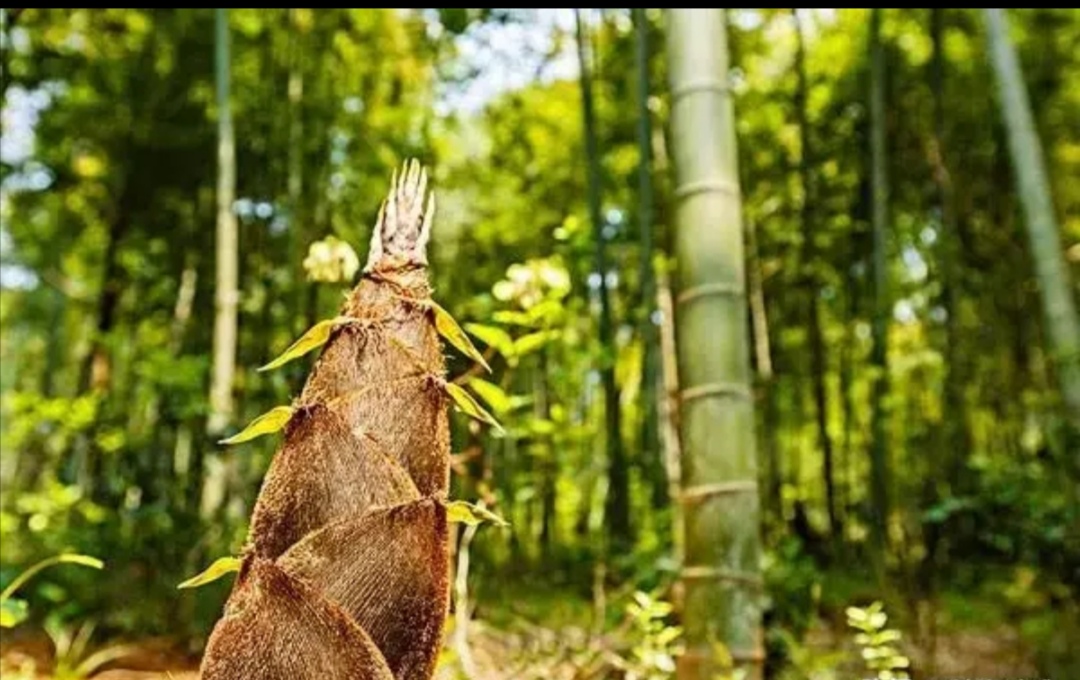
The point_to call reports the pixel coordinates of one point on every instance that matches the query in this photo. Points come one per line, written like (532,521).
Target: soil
(537,653)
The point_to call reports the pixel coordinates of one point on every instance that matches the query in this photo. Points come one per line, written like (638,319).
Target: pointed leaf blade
(533,341)
(84,560)
(220,567)
(315,337)
(470,406)
(511,318)
(448,328)
(495,396)
(472,514)
(29,572)
(269,422)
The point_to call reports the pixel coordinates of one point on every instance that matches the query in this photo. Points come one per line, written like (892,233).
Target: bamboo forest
(540,344)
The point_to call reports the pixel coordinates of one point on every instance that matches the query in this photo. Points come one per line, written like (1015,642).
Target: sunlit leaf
(65,558)
(541,427)
(470,407)
(495,396)
(533,341)
(315,337)
(668,635)
(512,318)
(449,329)
(493,337)
(13,612)
(269,422)
(220,567)
(84,560)
(468,513)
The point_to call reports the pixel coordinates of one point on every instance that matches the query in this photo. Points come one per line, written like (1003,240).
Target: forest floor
(533,652)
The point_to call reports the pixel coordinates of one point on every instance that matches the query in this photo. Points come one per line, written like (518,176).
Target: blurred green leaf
(13,612)
(495,396)
(65,558)
(533,341)
(494,337)
(512,318)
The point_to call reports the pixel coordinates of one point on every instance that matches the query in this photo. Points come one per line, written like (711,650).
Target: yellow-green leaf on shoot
(449,329)
(495,396)
(470,407)
(271,421)
(13,612)
(315,337)
(220,567)
(468,513)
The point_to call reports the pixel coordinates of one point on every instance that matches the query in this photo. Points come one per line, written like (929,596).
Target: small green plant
(656,641)
(14,611)
(806,662)
(878,642)
(71,647)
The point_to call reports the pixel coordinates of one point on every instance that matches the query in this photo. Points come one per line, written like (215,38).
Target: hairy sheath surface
(345,570)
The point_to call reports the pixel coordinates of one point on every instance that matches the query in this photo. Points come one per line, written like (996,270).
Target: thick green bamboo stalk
(721,575)
(1059,305)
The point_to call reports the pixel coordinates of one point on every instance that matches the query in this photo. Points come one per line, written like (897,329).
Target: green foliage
(878,643)
(794,587)
(472,514)
(807,663)
(14,611)
(656,640)
(74,659)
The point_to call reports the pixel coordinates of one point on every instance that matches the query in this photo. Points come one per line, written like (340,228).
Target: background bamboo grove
(780,306)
